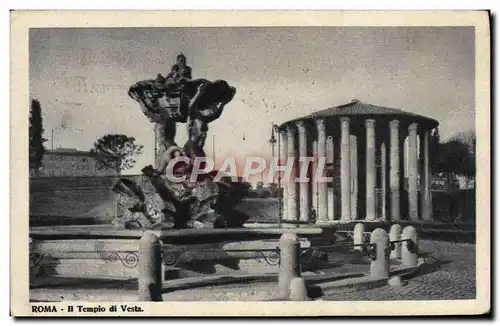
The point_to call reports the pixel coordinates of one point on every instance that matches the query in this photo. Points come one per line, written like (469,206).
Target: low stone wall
(74,200)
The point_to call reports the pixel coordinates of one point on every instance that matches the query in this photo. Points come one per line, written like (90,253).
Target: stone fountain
(200,203)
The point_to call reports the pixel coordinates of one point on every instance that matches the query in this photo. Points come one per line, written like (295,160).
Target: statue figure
(166,101)
(180,99)
(207,101)
(139,211)
(175,80)
(180,71)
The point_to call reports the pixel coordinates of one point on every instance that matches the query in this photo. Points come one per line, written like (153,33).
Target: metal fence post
(289,262)
(379,267)
(150,278)
(395,235)
(359,230)
(409,251)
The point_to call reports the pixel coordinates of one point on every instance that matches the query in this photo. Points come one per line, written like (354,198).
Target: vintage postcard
(285,163)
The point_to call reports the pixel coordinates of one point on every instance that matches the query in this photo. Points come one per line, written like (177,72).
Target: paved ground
(451,277)
(454,279)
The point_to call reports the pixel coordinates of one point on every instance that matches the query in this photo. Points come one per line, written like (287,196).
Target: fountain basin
(109,253)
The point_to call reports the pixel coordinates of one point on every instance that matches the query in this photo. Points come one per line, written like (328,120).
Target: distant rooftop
(62,149)
(359,109)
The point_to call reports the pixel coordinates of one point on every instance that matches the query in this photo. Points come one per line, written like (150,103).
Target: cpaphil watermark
(303,170)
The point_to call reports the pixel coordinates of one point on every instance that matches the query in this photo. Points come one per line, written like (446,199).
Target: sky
(81,78)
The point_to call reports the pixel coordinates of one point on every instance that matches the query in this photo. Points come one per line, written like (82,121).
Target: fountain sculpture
(204,202)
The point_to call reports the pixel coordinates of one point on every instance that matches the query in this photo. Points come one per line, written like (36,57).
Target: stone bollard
(395,235)
(409,250)
(289,262)
(379,267)
(298,290)
(395,281)
(359,230)
(150,278)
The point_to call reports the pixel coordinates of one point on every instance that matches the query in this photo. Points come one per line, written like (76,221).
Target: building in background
(70,162)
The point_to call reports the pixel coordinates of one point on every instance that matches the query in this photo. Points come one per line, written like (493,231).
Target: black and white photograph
(307,164)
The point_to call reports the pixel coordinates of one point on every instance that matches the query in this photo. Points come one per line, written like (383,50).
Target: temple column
(403,172)
(425,177)
(322,187)
(345,170)
(383,178)
(284,156)
(371,172)
(394,173)
(314,179)
(292,186)
(412,172)
(330,152)
(353,151)
(303,185)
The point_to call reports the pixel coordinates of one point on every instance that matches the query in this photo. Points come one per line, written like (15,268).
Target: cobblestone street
(454,279)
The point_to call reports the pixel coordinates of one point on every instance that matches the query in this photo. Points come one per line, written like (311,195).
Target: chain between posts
(350,234)
(368,249)
(410,245)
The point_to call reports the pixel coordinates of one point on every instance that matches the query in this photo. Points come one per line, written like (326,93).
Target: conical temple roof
(364,110)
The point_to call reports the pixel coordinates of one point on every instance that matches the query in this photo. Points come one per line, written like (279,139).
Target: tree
(36,140)
(456,156)
(455,159)
(468,138)
(116,151)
